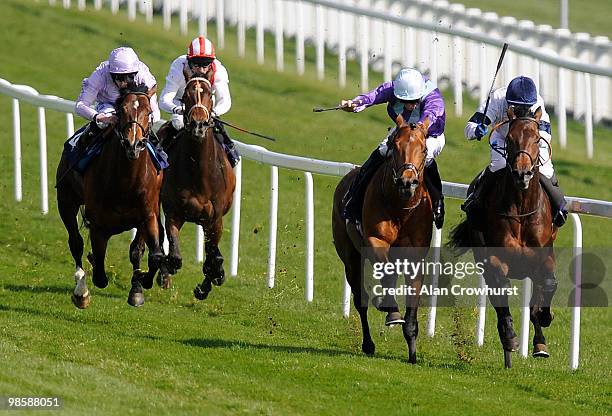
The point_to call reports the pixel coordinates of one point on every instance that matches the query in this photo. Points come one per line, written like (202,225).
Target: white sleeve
(494,113)
(175,80)
(89,94)
(223,99)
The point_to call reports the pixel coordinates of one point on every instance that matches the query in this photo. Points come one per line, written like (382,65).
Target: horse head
(134,112)
(522,146)
(408,152)
(197,99)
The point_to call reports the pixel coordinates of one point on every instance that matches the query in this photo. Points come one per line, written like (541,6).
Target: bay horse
(517,241)
(120,191)
(397,213)
(198,186)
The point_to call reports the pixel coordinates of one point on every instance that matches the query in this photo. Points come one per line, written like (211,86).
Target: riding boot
(434,187)
(557,199)
(228,145)
(474,204)
(166,135)
(353,200)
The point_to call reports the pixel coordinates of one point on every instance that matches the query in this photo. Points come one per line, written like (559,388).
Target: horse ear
(399,120)
(425,124)
(538,114)
(152,91)
(186,74)
(510,113)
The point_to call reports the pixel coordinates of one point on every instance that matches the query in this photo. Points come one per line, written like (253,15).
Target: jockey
(199,61)
(521,93)
(103,87)
(415,97)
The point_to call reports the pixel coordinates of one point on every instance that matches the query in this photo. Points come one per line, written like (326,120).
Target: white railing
(455,45)
(309,166)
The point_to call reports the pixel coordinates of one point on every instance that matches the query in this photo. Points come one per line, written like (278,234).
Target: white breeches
(499,162)
(434,146)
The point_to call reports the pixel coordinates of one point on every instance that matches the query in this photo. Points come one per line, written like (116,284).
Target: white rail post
(203,18)
(273,225)
(574,347)
(167,14)
(66,4)
(561,110)
(42,141)
(241,35)
(602,55)
(341,50)
(387,53)
(525,317)
(309,237)
(588,116)
(199,245)
(364,47)
(131,10)
(183,17)
(260,32)
(431,323)
(409,37)
(346,299)
(148,11)
(236,220)
(299,38)
(320,41)
(220,24)
(564,84)
(278,36)
(508,32)
(17,149)
(482,315)
(483,83)
(69,125)
(526,28)
(582,53)
(458,44)
(97,4)
(81,4)
(51,2)
(473,68)
(114,6)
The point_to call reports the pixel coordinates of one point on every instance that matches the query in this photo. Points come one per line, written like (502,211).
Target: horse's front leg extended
(213,265)
(383,300)
(156,255)
(411,326)
(174,224)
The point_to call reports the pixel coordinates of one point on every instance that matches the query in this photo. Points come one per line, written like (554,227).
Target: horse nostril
(415,182)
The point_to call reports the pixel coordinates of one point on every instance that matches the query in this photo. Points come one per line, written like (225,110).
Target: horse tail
(460,238)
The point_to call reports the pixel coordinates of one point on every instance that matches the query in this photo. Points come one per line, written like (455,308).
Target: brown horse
(198,186)
(519,235)
(397,213)
(120,191)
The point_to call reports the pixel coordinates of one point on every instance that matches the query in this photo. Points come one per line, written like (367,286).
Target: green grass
(248,349)
(584,16)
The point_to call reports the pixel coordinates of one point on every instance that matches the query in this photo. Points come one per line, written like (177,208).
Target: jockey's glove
(481,131)
(348,105)
(103,120)
(178,110)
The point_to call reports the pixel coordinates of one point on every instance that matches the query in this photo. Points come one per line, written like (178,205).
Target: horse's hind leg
(539,341)
(68,207)
(352,270)
(540,315)
(99,242)
(410,328)
(173,226)
(213,265)
(136,297)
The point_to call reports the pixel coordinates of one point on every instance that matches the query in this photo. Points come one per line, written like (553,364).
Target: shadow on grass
(56,315)
(62,290)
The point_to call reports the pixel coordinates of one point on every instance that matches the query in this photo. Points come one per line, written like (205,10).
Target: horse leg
(156,255)
(173,226)
(410,328)
(136,297)
(164,280)
(212,269)
(68,209)
(539,342)
(548,289)
(99,242)
(540,315)
(352,270)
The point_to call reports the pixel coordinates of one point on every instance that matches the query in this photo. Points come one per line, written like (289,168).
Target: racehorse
(198,186)
(518,236)
(397,213)
(120,191)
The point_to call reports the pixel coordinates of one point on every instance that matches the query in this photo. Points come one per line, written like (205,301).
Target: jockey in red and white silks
(103,86)
(201,50)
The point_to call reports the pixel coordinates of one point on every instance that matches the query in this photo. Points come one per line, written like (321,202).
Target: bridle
(398,171)
(208,122)
(120,128)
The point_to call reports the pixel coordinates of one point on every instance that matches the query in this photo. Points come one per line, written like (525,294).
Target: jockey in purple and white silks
(522,94)
(415,97)
(200,61)
(103,86)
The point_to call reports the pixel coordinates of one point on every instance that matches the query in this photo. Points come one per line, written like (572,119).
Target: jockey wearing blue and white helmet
(521,94)
(103,87)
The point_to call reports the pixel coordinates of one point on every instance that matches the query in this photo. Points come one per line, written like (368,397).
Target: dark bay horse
(120,191)
(198,186)
(519,235)
(397,213)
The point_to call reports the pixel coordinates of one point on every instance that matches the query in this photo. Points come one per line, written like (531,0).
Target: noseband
(198,103)
(398,171)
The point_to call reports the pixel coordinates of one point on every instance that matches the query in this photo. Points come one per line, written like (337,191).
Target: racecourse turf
(248,349)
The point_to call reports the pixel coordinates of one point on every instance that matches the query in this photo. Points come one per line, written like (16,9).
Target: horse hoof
(540,351)
(81,302)
(164,281)
(135,299)
(412,358)
(219,280)
(99,282)
(147,281)
(368,349)
(199,293)
(394,318)
(510,344)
